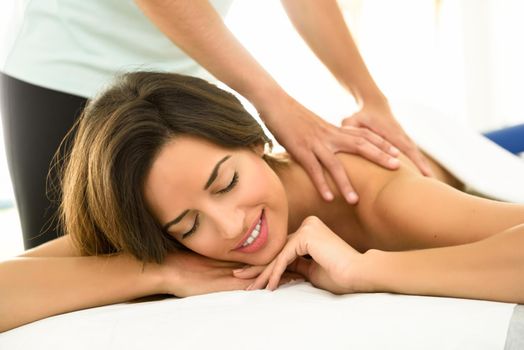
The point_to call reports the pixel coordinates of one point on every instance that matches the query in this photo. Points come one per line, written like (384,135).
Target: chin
(272,250)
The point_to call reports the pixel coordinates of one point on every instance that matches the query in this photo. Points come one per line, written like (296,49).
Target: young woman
(168,189)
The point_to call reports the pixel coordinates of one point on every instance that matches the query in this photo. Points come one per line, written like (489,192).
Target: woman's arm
(490,269)
(412,212)
(53,278)
(403,210)
(32,288)
(59,247)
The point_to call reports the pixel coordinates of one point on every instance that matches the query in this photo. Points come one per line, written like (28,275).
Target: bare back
(398,210)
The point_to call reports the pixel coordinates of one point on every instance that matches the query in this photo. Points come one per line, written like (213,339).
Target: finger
(262,279)
(290,252)
(369,151)
(421,162)
(312,166)
(379,141)
(287,277)
(360,137)
(337,171)
(350,121)
(302,266)
(410,149)
(249,271)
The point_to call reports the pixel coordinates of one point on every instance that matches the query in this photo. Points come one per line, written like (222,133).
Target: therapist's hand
(313,142)
(379,118)
(187,273)
(335,266)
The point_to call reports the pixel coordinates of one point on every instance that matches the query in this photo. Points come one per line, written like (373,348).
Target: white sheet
(481,164)
(296,316)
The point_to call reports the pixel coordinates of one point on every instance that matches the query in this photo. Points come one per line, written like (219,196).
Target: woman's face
(221,203)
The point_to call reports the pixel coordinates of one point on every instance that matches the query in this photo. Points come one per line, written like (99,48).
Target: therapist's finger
(421,162)
(338,173)
(378,141)
(313,168)
(376,155)
(408,147)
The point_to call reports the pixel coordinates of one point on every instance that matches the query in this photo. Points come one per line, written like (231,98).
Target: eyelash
(229,187)
(232,184)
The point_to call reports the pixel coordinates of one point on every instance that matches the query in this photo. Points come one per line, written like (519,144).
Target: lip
(259,241)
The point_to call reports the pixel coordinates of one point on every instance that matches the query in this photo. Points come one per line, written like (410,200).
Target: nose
(230,222)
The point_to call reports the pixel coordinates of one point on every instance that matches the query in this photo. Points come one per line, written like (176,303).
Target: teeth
(253,236)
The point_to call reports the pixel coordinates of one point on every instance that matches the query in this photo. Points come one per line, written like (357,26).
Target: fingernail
(394,150)
(393,161)
(352,197)
(328,195)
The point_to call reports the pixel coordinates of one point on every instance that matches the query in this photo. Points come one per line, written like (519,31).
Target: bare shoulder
(366,177)
(369,178)
(58,247)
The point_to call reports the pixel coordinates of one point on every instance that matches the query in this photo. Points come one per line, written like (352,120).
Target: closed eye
(231,185)
(193,229)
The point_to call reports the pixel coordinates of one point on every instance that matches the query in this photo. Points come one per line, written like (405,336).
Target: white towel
(480,164)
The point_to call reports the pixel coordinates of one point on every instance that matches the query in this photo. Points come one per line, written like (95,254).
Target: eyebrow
(209,182)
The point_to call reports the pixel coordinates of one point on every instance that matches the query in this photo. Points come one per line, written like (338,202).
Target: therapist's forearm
(322,26)
(490,269)
(197,29)
(36,287)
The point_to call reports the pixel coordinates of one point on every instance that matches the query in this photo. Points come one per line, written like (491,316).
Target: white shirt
(76,46)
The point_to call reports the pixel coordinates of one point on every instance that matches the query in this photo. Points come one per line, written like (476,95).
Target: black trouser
(35,120)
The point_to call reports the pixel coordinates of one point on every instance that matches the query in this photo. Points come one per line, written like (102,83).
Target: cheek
(262,180)
(205,242)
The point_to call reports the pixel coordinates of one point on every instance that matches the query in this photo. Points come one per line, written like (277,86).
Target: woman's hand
(313,142)
(333,267)
(187,273)
(378,118)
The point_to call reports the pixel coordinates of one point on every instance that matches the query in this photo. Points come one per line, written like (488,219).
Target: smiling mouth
(254,234)
(256,238)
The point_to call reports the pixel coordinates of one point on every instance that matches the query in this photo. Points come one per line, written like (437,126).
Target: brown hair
(114,143)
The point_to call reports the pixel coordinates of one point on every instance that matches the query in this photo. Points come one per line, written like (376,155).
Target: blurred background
(464,57)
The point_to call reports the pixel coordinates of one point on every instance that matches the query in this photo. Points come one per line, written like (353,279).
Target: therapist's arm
(322,26)
(196,28)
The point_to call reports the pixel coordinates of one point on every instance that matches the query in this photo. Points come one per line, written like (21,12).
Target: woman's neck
(303,198)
